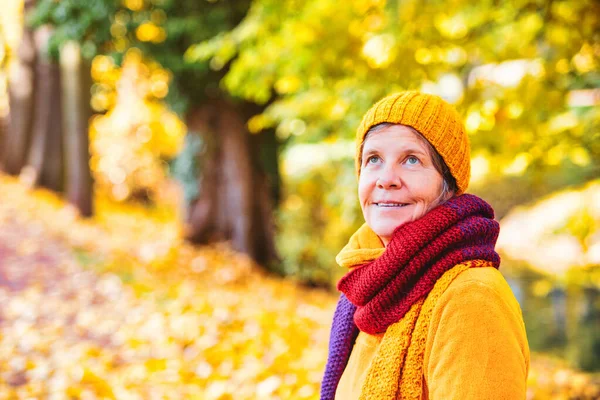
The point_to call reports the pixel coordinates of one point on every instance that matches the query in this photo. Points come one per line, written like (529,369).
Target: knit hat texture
(432,117)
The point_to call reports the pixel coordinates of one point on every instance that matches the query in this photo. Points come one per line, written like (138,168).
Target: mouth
(390,205)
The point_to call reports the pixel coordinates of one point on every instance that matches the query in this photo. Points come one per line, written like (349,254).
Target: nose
(389,179)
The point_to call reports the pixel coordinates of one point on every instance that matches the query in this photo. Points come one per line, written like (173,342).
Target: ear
(448,194)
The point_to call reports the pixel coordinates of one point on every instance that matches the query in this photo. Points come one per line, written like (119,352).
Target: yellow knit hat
(431,116)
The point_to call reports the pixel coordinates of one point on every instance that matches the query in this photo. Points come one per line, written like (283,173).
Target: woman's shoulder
(481,279)
(477,287)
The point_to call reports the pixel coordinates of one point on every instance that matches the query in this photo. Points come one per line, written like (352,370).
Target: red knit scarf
(418,254)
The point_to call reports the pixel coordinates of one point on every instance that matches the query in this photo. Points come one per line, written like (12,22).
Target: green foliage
(315,222)
(584,337)
(83,21)
(561,318)
(542,303)
(318,66)
(583,225)
(162,29)
(325,65)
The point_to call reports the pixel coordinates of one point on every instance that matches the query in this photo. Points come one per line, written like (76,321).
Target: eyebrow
(405,150)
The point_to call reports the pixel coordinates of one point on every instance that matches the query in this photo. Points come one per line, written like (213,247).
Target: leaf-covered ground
(118,307)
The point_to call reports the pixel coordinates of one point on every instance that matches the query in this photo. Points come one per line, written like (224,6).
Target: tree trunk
(267,189)
(76,86)
(264,238)
(234,202)
(4,122)
(21,85)
(44,163)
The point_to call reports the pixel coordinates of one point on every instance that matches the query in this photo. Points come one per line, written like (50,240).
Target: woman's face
(398,181)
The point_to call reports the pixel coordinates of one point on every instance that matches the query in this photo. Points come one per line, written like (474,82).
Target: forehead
(393,136)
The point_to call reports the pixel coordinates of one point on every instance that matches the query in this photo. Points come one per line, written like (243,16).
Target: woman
(424,312)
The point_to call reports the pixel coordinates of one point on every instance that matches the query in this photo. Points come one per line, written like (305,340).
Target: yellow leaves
(562,66)
(293,203)
(98,385)
(473,121)
(423,56)
(480,167)
(374,22)
(550,378)
(490,106)
(266,388)
(304,34)
(452,55)
(582,225)
(207,325)
(481,116)
(149,32)
(514,110)
(134,5)
(531,23)
(11,19)
(129,141)
(566,10)
(585,59)
(292,126)
(258,123)
(101,65)
(452,27)
(338,110)
(363,6)
(555,155)
(154,365)
(518,165)
(542,287)
(562,122)
(287,84)
(557,34)
(379,50)
(159,88)
(455,56)
(579,156)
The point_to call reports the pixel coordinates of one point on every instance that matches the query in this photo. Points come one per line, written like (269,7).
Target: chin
(385,229)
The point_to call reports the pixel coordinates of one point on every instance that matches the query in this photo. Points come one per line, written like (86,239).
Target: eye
(373,159)
(412,160)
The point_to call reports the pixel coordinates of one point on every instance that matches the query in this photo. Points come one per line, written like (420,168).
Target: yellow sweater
(476,344)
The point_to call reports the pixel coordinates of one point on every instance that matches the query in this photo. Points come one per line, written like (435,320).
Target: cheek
(361,192)
(432,190)
(364,189)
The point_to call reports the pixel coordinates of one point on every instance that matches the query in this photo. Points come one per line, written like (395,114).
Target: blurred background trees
(49,112)
(237,198)
(252,106)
